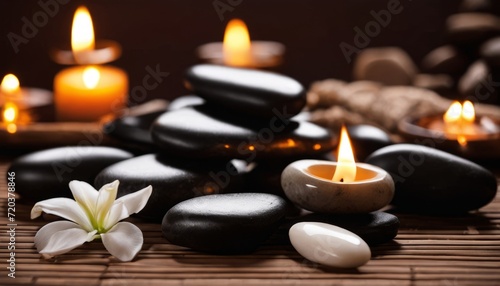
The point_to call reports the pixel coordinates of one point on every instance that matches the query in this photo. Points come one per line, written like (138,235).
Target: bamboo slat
(428,251)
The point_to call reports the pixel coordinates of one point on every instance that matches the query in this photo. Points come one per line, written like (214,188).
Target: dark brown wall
(156,32)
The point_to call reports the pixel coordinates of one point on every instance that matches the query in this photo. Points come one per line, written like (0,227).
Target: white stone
(329,245)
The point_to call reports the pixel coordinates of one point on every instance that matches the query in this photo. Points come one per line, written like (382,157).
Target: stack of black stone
(189,151)
(245,115)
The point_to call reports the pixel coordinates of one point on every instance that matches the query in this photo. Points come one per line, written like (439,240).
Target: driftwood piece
(319,96)
(368,102)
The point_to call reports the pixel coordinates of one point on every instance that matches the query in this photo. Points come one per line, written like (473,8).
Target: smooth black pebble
(366,139)
(185,101)
(472,28)
(479,82)
(247,91)
(136,129)
(46,174)
(374,228)
(432,181)
(198,132)
(173,180)
(225,223)
(476,6)
(445,60)
(490,52)
(133,129)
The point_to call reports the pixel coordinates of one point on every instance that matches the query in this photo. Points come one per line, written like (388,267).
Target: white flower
(93,214)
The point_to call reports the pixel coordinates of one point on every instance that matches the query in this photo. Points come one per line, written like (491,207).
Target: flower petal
(43,235)
(136,201)
(85,195)
(65,208)
(127,205)
(60,237)
(117,212)
(123,241)
(106,198)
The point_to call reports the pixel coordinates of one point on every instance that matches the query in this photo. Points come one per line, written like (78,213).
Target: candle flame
(468,112)
(459,120)
(236,45)
(91,77)
(10,84)
(10,114)
(82,31)
(453,113)
(346,166)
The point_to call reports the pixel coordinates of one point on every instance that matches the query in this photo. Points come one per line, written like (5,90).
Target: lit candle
(24,97)
(459,122)
(88,92)
(10,87)
(237,50)
(10,114)
(236,45)
(341,187)
(18,105)
(10,91)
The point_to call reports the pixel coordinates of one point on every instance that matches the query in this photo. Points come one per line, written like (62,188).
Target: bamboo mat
(427,251)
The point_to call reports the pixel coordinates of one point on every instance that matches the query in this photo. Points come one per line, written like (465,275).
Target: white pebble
(329,245)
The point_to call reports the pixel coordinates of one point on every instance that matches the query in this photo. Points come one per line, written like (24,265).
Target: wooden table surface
(462,250)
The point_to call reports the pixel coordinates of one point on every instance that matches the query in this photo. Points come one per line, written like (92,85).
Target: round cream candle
(343,187)
(308,184)
(86,93)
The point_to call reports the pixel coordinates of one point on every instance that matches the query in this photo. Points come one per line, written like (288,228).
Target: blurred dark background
(167,32)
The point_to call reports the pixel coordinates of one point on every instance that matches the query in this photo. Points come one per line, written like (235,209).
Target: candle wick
(342,180)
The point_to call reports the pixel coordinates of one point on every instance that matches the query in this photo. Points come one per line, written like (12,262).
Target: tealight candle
(19,105)
(90,91)
(237,50)
(459,123)
(10,87)
(10,116)
(10,92)
(343,187)
(459,130)
(24,97)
